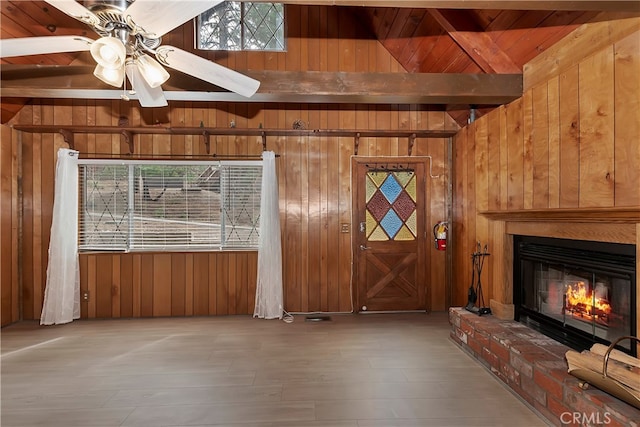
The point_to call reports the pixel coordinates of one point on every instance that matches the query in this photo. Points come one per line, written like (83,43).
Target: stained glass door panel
(391,205)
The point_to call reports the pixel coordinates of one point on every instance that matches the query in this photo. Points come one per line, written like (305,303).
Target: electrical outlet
(85,296)
(344,227)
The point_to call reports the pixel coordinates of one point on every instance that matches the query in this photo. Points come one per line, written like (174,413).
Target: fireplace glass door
(576,296)
(596,304)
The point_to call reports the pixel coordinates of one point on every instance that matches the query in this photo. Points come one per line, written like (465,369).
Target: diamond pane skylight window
(234,25)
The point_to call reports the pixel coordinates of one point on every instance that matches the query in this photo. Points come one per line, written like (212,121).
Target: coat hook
(207,141)
(128,139)
(412,141)
(68,138)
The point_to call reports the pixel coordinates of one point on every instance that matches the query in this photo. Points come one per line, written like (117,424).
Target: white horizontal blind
(165,206)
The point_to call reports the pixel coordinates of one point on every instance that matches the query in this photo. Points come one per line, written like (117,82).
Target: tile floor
(373,370)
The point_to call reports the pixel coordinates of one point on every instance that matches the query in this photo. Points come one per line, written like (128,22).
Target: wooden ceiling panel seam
(562,30)
(13,29)
(387,22)
(521,29)
(458,64)
(451,50)
(476,43)
(395,37)
(442,45)
(374,17)
(422,35)
(44,17)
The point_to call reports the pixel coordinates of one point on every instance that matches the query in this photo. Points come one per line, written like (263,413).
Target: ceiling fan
(131,32)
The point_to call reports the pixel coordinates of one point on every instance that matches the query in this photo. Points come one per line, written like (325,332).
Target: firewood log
(628,376)
(601,350)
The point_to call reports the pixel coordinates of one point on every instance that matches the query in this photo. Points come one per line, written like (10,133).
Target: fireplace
(577,292)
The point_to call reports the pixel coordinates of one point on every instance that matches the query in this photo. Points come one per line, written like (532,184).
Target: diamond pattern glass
(234,25)
(391,205)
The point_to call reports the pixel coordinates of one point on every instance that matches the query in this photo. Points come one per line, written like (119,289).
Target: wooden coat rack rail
(128,133)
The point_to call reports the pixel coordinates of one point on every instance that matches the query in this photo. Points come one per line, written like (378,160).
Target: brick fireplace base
(533,367)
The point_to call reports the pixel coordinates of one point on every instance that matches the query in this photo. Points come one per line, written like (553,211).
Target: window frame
(222,246)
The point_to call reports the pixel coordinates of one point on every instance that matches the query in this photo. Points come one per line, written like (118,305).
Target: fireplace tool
(472,296)
(475,295)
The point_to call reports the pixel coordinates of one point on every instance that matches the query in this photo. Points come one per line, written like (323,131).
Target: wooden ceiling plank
(457,63)
(374,16)
(503,22)
(602,5)
(471,67)
(485,17)
(422,31)
(520,28)
(421,43)
(478,45)
(41,19)
(386,23)
(289,86)
(400,32)
(585,40)
(554,38)
(551,30)
(440,46)
(448,49)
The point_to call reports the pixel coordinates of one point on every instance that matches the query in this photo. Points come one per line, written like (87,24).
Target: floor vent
(318,319)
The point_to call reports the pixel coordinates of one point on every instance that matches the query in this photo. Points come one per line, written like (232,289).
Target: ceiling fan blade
(158,17)
(207,70)
(39,45)
(148,96)
(75,10)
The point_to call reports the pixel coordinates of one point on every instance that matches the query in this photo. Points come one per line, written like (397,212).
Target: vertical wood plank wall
(313,173)
(570,142)
(9,227)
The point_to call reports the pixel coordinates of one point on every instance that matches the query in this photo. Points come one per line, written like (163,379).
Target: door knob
(364,248)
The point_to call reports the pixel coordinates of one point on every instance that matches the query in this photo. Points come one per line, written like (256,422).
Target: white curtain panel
(62,292)
(269,288)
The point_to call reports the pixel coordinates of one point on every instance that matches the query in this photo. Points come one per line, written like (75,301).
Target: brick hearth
(534,367)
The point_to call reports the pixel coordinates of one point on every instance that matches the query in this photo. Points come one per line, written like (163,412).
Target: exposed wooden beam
(602,5)
(476,43)
(280,86)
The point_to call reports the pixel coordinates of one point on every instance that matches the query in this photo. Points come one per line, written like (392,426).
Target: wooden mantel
(607,215)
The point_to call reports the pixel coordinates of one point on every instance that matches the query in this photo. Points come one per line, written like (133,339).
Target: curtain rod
(144,156)
(128,133)
(212,131)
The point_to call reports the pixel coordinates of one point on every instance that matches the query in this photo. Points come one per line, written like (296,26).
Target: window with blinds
(169,205)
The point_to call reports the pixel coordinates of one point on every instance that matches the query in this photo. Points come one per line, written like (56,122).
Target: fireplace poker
(476,294)
(472,296)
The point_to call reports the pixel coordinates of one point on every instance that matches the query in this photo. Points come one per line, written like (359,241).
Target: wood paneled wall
(571,142)
(9,227)
(313,173)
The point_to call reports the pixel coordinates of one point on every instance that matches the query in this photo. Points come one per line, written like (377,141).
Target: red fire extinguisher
(440,235)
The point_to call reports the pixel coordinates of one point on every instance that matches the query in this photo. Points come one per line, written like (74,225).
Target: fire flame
(585,301)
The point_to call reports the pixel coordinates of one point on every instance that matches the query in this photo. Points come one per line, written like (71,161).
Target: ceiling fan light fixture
(111,76)
(109,52)
(151,70)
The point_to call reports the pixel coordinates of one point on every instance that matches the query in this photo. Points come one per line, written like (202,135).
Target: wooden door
(390,243)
